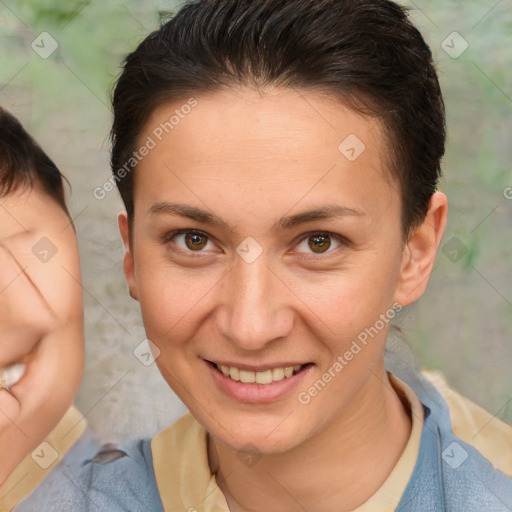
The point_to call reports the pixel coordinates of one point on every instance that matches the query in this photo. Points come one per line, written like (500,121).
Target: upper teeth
(264,377)
(11,375)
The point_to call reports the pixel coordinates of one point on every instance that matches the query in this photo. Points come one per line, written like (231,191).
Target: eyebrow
(192,212)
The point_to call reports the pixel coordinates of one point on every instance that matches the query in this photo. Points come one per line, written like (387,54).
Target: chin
(248,434)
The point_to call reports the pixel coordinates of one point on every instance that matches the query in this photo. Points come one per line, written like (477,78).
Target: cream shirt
(180,456)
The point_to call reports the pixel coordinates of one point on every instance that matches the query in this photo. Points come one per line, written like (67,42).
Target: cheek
(172,304)
(349,301)
(350,312)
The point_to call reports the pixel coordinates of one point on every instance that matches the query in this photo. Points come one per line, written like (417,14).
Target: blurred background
(58,63)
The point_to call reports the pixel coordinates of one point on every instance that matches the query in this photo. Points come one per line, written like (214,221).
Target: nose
(255,307)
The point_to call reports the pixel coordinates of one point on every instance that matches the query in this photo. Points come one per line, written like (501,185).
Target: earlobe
(419,253)
(128,260)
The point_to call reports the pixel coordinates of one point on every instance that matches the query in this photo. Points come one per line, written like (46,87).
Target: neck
(337,470)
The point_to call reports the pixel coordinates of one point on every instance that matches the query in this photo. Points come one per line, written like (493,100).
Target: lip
(11,395)
(11,399)
(11,375)
(17,388)
(256,393)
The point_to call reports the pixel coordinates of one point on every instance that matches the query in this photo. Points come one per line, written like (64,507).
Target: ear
(419,253)
(128,260)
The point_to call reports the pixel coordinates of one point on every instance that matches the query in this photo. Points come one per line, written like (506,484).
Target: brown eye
(188,241)
(319,243)
(195,241)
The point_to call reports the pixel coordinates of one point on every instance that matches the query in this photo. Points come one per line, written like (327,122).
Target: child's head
(22,161)
(278,161)
(41,310)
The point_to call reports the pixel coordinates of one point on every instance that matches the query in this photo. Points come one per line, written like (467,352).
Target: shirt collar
(180,460)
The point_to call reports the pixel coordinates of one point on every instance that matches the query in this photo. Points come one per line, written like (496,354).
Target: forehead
(272,147)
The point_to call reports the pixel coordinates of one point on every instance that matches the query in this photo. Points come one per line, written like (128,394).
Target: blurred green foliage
(49,13)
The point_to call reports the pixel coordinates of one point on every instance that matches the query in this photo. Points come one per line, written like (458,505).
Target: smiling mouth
(264,377)
(10,375)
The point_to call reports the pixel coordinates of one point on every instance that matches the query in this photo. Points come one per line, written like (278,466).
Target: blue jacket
(450,475)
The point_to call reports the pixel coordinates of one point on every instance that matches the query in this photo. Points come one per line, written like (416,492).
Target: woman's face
(41,318)
(266,236)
